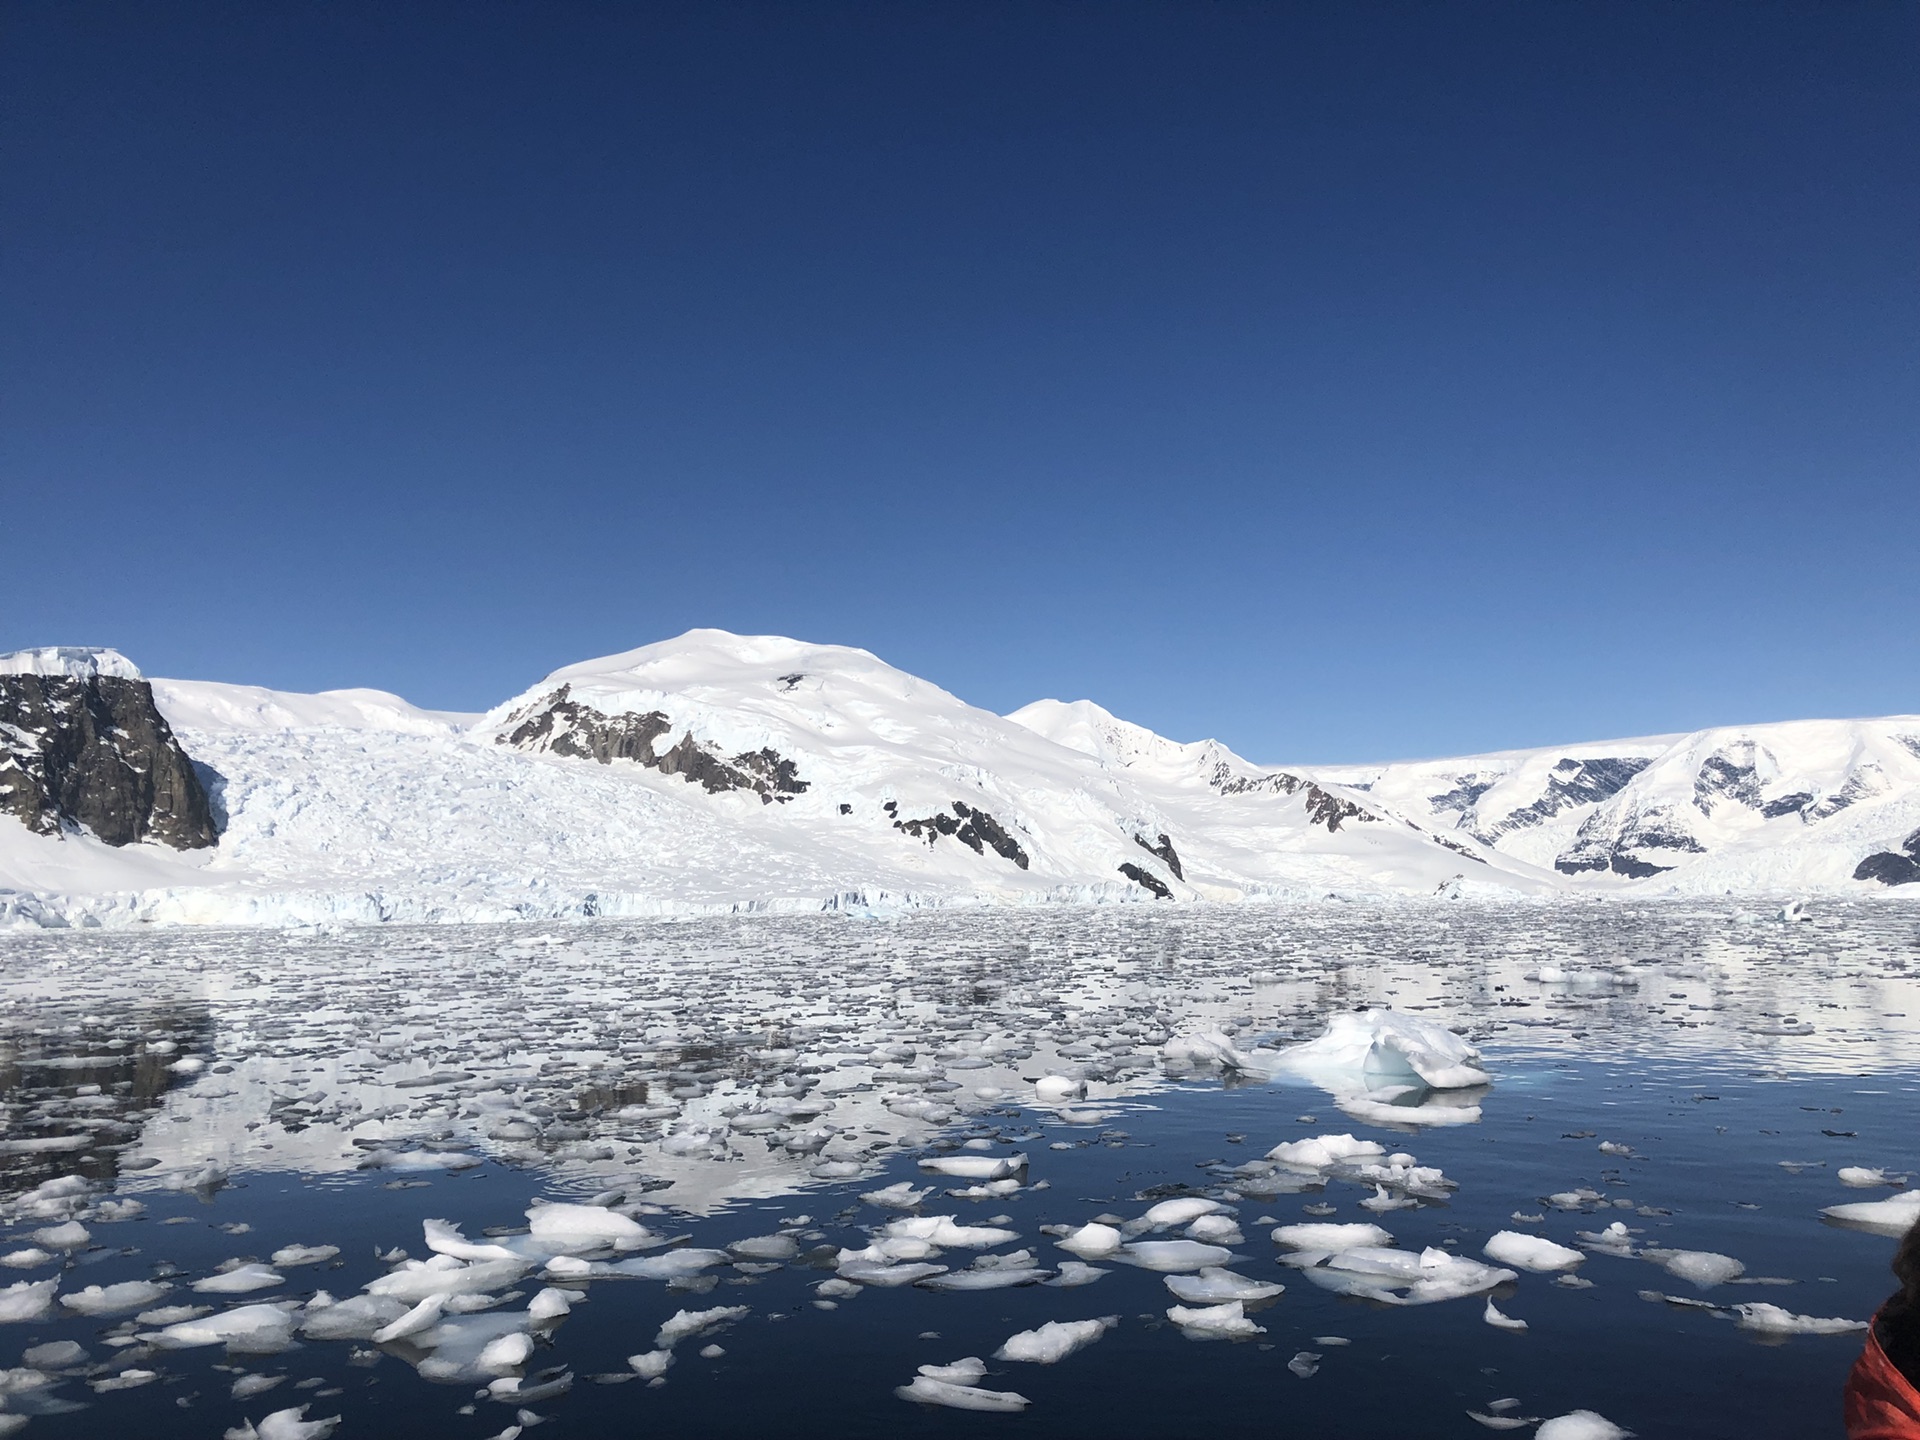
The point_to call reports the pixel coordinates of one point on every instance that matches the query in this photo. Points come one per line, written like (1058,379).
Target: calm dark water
(1712,1045)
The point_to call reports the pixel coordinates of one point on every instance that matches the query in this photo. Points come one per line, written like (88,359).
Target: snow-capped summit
(74,662)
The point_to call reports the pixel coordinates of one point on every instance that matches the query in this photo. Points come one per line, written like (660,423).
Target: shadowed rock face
(1165,852)
(1323,808)
(561,725)
(1147,880)
(974,828)
(96,754)
(1890,867)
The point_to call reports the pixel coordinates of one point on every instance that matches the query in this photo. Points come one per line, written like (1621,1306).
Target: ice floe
(1055,1340)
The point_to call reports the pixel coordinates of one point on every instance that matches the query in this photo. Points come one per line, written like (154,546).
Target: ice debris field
(1575,1173)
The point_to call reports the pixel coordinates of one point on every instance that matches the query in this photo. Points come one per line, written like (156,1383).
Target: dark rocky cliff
(91,751)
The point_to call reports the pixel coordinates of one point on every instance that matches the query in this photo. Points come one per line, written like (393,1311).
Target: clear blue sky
(1347,381)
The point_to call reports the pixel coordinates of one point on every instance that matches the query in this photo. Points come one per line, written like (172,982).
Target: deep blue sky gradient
(1347,381)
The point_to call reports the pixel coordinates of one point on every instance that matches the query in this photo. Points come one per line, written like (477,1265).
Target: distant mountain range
(718,772)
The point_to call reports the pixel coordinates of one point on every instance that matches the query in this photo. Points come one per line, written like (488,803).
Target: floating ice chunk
(684,1323)
(1861,1177)
(1373,1046)
(249,1329)
(1209,1048)
(1494,1317)
(990,1272)
(1051,1089)
(415,1280)
(1324,1151)
(1772,1320)
(651,1364)
(54,1355)
(1503,1422)
(1227,1321)
(1169,1256)
(444,1238)
(1169,1213)
(879,1273)
(114,1299)
(1213,1285)
(423,1316)
(1215,1230)
(550,1304)
(241,1280)
(1306,1364)
(768,1248)
(897,1197)
(290,1424)
(1580,1425)
(1383,1108)
(248,1386)
(975,1167)
(1381,1201)
(970,1371)
(586,1227)
(1055,1340)
(1426,1278)
(1074,1273)
(1330,1237)
(1616,1239)
(946,1231)
(507,1352)
(1530,1252)
(406,1161)
(1092,1242)
(357,1318)
(69,1236)
(928,1391)
(1894,1216)
(28,1259)
(290,1257)
(669,1265)
(27,1300)
(1704,1268)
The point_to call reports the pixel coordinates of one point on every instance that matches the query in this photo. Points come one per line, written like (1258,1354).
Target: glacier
(717,774)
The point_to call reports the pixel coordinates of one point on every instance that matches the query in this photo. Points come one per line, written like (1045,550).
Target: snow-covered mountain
(719,772)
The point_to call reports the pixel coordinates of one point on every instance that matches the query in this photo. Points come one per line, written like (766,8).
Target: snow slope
(717,772)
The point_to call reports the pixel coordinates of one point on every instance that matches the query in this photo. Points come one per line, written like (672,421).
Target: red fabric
(1881,1404)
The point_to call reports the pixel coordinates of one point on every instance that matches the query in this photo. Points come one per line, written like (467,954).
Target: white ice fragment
(357,1318)
(1092,1242)
(1531,1252)
(684,1323)
(249,1329)
(289,1257)
(1075,1273)
(114,1299)
(928,1391)
(248,1386)
(1860,1176)
(550,1304)
(1375,1046)
(1169,1256)
(1500,1321)
(1227,1321)
(241,1280)
(969,1371)
(1323,1151)
(423,1316)
(1705,1268)
(1330,1236)
(1893,1216)
(290,1424)
(946,1231)
(586,1227)
(651,1364)
(975,1167)
(897,1197)
(444,1238)
(507,1352)
(1051,1089)
(1213,1285)
(71,1235)
(1580,1425)
(1055,1340)
(27,1300)
(1306,1364)
(1772,1320)
(30,1258)
(1169,1213)
(415,1280)
(994,1277)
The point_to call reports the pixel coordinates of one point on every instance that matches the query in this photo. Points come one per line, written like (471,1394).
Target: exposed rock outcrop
(1164,852)
(83,747)
(1891,867)
(974,828)
(1147,880)
(561,725)
(1323,807)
